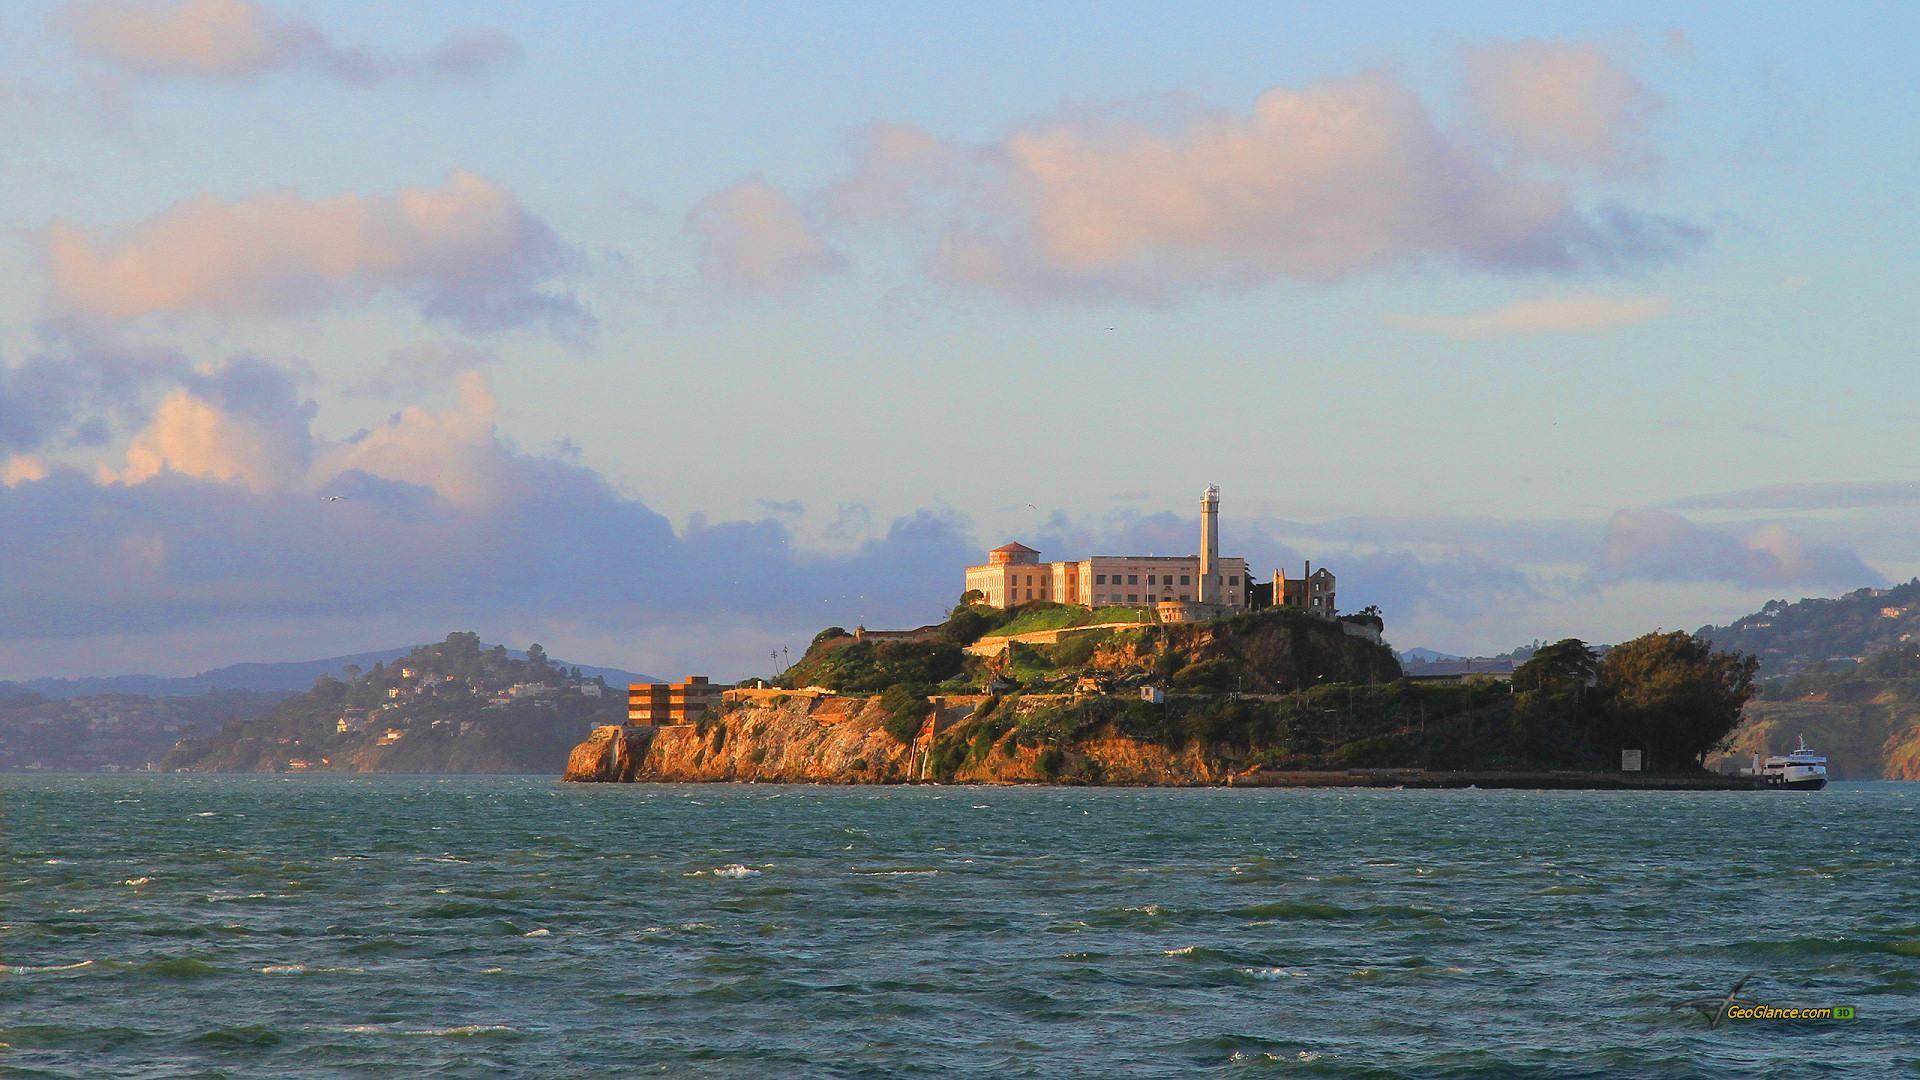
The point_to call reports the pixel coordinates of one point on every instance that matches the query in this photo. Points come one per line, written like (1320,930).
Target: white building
(1013,574)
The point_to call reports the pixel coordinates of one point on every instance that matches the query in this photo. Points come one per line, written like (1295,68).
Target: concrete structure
(653,704)
(1013,574)
(1313,590)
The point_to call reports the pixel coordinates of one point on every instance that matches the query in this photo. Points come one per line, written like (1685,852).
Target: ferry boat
(1802,769)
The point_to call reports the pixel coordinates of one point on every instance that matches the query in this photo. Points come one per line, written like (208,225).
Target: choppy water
(479,926)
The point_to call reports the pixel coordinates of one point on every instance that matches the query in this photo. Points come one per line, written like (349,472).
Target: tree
(1673,695)
(1566,666)
(1556,702)
(537,656)
(972,597)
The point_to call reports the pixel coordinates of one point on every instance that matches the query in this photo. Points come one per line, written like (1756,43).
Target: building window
(1133,598)
(1233,579)
(1150,580)
(1184,581)
(1099,579)
(1133,579)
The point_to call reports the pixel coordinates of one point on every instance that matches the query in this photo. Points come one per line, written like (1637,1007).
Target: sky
(666,334)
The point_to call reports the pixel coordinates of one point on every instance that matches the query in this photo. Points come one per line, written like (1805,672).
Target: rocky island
(1273,696)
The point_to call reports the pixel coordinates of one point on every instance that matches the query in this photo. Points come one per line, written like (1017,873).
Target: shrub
(906,709)
(1051,761)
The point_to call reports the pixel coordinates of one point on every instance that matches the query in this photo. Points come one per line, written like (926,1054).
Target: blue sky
(1528,320)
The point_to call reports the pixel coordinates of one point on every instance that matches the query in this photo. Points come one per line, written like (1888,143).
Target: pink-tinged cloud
(465,251)
(1581,313)
(1657,545)
(1557,102)
(754,238)
(1315,184)
(242,41)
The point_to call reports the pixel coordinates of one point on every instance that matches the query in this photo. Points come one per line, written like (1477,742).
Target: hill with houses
(452,707)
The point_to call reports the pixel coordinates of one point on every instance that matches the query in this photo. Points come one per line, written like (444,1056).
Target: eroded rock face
(842,740)
(607,755)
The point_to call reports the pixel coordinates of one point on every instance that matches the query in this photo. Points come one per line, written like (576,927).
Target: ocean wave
(903,872)
(1292,909)
(42,969)
(302,969)
(1272,974)
(136,882)
(458,1031)
(542,932)
(735,871)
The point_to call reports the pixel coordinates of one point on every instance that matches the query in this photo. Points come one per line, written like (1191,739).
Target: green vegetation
(1669,694)
(1043,615)
(1834,633)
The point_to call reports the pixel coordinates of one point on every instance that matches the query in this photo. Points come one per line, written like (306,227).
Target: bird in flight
(1715,1007)
(335,498)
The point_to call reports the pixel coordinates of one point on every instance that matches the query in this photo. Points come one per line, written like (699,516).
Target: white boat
(1802,769)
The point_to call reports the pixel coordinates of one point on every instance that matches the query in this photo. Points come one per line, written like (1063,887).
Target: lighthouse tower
(1210,545)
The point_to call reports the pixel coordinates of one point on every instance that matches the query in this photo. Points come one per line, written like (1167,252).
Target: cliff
(1875,739)
(843,740)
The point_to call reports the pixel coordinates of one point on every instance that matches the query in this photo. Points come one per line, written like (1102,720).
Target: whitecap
(136,882)
(1272,974)
(284,969)
(31,969)
(1308,1055)
(55,862)
(542,932)
(731,870)
(1184,950)
(208,813)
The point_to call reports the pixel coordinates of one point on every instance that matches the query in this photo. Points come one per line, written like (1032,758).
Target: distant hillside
(1841,631)
(287,677)
(112,732)
(453,707)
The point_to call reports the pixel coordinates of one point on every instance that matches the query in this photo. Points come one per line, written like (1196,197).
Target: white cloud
(465,251)
(17,469)
(1558,102)
(754,238)
(1314,184)
(242,41)
(1579,313)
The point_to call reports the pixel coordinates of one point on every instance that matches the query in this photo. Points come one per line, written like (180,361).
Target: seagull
(335,498)
(1110,329)
(1715,1008)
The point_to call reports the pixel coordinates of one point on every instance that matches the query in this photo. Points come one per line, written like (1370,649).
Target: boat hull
(1813,784)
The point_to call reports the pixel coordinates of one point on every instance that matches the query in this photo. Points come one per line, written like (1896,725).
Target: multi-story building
(653,704)
(1013,574)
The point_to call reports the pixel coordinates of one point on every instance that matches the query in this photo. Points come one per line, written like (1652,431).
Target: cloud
(1154,201)
(1579,313)
(1658,545)
(1829,495)
(465,252)
(753,238)
(424,365)
(17,469)
(243,41)
(243,424)
(1557,102)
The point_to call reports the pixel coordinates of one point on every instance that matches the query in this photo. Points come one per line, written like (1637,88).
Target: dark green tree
(1675,696)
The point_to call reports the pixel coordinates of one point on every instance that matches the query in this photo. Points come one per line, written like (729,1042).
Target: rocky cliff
(1873,739)
(843,740)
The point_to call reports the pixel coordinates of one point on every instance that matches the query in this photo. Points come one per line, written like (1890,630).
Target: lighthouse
(1210,545)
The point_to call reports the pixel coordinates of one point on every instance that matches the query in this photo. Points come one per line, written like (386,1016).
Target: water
(158,926)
